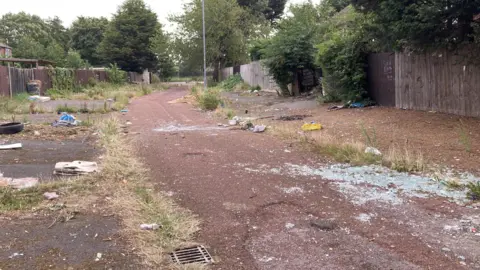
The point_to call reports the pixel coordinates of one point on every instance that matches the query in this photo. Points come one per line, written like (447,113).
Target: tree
(272,10)
(162,47)
(293,47)
(228,27)
(58,32)
(32,37)
(128,37)
(86,36)
(421,24)
(74,60)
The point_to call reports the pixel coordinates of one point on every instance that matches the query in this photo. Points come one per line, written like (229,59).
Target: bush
(155,79)
(116,75)
(208,100)
(232,81)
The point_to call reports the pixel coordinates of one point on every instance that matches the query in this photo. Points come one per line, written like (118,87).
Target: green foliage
(232,81)
(74,60)
(209,100)
(465,138)
(257,49)
(293,47)
(417,25)
(271,10)
(128,37)
(473,191)
(370,139)
(63,80)
(343,55)
(116,75)
(162,47)
(229,27)
(32,37)
(86,36)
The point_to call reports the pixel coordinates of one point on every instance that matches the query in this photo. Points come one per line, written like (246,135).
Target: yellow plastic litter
(311,127)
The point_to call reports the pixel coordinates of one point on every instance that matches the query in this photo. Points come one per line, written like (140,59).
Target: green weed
(465,138)
(473,191)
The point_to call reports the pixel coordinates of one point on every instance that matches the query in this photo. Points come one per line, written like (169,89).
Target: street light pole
(204,48)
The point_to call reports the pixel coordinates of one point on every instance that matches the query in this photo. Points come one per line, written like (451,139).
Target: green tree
(293,47)
(74,60)
(162,47)
(272,10)
(228,27)
(58,32)
(421,24)
(129,35)
(86,36)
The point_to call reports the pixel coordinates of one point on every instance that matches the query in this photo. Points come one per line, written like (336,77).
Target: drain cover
(198,254)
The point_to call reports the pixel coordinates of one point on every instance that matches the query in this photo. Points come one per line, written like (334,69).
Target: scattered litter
(18,183)
(128,123)
(311,127)
(75,168)
(36,133)
(289,226)
(65,120)
(232,122)
(110,100)
(287,151)
(292,190)
(16,254)
(50,195)
(365,217)
(10,146)
(124,111)
(446,249)
(236,118)
(259,129)
(293,117)
(336,107)
(266,259)
(99,257)
(39,98)
(461,258)
(357,105)
(373,150)
(150,227)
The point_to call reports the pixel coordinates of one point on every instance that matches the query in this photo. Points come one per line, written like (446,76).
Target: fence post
(10,81)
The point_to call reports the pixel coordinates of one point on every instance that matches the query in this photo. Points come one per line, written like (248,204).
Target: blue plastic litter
(124,111)
(357,105)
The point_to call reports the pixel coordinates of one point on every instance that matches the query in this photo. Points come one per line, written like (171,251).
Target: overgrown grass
(136,200)
(473,191)
(353,152)
(208,100)
(465,139)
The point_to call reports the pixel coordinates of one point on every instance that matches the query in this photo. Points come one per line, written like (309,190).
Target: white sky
(69,10)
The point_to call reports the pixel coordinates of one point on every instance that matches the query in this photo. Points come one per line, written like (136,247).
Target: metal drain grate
(198,254)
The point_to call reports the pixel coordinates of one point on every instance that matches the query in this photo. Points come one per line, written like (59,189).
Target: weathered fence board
(20,78)
(4,85)
(444,82)
(253,74)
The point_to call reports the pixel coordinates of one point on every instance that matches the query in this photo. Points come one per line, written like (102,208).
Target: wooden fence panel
(20,78)
(444,82)
(42,75)
(4,85)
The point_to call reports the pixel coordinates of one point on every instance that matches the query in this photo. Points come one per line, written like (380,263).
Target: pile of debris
(246,125)
(75,168)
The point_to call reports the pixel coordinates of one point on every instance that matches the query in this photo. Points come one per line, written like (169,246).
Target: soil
(437,136)
(255,217)
(70,245)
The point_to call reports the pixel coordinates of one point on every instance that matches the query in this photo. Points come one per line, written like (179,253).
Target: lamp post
(204,48)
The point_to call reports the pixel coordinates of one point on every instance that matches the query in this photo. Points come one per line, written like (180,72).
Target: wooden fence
(253,74)
(20,77)
(443,82)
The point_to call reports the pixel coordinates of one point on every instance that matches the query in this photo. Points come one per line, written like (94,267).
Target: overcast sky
(69,10)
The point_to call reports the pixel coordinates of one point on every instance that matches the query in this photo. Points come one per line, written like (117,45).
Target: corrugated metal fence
(19,78)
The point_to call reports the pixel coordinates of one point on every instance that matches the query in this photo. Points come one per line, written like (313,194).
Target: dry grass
(136,201)
(403,160)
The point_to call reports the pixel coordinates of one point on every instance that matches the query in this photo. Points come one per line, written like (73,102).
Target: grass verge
(136,200)
(353,152)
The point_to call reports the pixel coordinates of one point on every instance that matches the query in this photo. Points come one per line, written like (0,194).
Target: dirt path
(258,214)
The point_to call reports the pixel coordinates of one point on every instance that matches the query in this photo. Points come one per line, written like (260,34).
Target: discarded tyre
(11,128)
